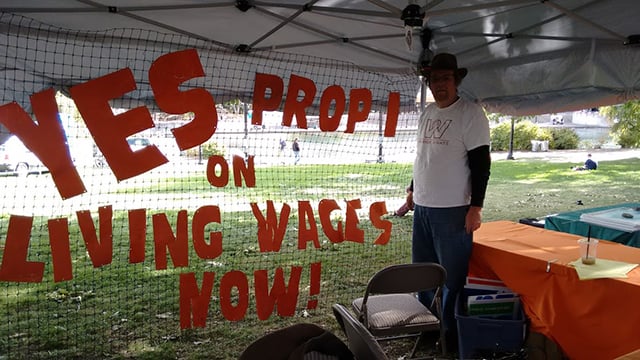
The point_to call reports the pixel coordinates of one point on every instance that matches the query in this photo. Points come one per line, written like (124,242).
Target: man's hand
(473,220)
(410,199)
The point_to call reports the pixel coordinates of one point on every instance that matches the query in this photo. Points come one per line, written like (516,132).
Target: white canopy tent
(524,56)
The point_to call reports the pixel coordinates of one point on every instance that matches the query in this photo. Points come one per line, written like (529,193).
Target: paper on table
(603,268)
(614,219)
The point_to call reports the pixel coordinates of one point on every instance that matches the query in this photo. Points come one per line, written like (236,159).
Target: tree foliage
(234,106)
(206,150)
(525,131)
(626,122)
(564,139)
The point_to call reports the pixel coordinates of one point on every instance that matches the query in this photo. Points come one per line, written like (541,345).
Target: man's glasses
(441,78)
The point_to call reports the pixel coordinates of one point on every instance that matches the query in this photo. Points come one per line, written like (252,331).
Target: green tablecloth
(569,222)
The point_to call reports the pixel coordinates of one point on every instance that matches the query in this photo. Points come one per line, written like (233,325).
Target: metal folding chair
(390,308)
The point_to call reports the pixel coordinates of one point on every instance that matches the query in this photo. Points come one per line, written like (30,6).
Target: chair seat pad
(390,311)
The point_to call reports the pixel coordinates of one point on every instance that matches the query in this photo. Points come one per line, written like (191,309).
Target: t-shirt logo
(434,129)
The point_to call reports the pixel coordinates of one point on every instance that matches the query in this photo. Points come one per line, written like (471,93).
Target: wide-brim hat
(445,61)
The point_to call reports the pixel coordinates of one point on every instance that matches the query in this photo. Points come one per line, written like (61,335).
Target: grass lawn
(535,188)
(126,310)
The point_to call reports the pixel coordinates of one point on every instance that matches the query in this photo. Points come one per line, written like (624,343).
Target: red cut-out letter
(15,266)
(325,208)
(217,162)
(100,250)
(164,240)
(260,101)
(352,232)
(393,110)
(298,108)
(376,211)
(356,112)
(193,302)
(314,285)
(286,297)
(270,230)
(110,131)
(46,140)
(305,215)
(60,249)
(201,218)
(242,169)
(333,93)
(165,76)
(230,280)
(137,235)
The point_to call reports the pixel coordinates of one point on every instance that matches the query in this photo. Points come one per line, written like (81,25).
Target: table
(569,222)
(588,319)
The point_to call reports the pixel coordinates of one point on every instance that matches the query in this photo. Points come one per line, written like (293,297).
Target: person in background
(589,164)
(450,176)
(296,151)
(282,147)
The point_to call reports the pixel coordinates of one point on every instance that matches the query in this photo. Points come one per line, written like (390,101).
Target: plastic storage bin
(477,334)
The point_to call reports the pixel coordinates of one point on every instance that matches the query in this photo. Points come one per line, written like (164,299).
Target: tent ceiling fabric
(524,56)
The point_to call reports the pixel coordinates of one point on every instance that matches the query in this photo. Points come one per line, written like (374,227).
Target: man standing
(296,151)
(450,176)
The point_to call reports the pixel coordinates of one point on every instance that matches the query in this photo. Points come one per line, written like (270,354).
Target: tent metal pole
(380,137)
(510,154)
(246,121)
(423,95)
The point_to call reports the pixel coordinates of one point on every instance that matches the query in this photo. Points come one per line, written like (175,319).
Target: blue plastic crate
(477,334)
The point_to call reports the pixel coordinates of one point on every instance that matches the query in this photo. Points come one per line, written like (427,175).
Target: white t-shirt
(441,174)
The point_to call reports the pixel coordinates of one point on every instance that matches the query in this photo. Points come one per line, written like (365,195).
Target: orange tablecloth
(588,319)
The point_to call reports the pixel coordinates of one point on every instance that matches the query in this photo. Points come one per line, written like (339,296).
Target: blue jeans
(296,155)
(439,236)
